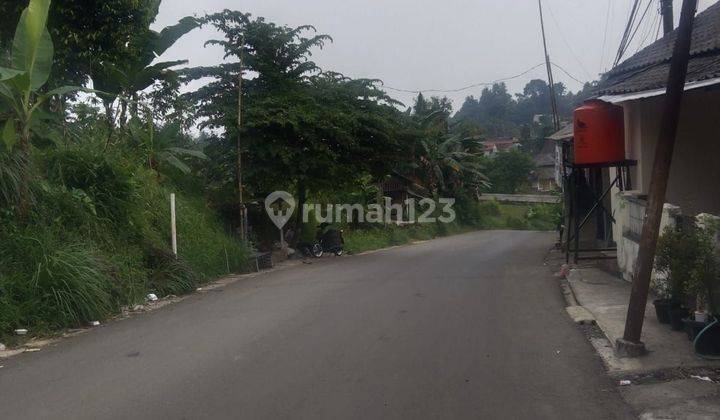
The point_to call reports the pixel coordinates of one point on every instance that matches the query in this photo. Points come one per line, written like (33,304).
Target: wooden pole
(666,8)
(630,344)
(173,227)
(548,65)
(241,202)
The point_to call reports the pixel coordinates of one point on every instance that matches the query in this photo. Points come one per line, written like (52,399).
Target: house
(399,188)
(494,146)
(545,176)
(563,141)
(638,85)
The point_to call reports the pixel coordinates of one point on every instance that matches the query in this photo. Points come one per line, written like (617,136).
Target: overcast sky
(430,44)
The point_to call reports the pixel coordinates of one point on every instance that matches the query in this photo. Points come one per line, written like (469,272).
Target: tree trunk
(24,191)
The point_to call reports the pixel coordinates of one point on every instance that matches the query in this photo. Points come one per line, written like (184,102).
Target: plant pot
(662,309)
(693,328)
(701,316)
(676,318)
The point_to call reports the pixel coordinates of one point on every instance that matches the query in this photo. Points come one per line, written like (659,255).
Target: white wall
(694,184)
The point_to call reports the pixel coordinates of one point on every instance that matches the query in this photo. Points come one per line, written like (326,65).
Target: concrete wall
(521,198)
(694,184)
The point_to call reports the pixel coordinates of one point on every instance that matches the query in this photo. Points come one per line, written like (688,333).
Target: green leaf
(188,152)
(7,74)
(9,135)
(32,49)
(177,163)
(169,35)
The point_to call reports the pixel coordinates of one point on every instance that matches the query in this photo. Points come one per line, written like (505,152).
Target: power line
(567,44)
(656,23)
(627,32)
(474,85)
(642,18)
(568,74)
(604,44)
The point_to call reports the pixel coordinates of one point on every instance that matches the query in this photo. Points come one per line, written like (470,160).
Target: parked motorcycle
(328,239)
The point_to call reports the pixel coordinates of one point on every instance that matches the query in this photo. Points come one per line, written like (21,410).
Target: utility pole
(630,344)
(241,202)
(666,9)
(548,64)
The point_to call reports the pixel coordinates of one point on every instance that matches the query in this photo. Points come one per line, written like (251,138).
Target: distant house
(545,175)
(494,146)
(399,188)
(638,85)
(562,140)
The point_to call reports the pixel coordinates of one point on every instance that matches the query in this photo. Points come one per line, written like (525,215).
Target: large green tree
(302,128)
(508,171)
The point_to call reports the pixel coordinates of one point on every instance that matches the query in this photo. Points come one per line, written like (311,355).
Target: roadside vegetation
(488,215)
(98,131)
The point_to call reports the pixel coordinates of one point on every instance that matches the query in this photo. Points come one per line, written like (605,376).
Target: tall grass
(98,238)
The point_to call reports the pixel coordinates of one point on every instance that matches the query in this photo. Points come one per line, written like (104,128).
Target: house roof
(649,68)
(501,144)
(565,133)
(546,156)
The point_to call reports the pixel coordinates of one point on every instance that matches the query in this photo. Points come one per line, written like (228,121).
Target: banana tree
(161,147)
(127,79)
(31,61)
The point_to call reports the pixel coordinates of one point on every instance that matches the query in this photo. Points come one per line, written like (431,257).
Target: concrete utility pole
(630,344)
(241,203)
(548,64)
(666,9)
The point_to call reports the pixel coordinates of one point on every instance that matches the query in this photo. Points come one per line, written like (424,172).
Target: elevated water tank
(599,133)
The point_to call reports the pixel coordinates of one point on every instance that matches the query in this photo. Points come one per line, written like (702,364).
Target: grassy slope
(87,250)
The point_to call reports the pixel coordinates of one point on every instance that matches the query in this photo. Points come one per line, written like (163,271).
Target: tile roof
(649,68)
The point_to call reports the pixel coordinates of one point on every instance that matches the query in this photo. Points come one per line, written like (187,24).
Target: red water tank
(599,133)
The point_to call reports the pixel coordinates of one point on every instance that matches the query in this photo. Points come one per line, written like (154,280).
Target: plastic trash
(95,323)
(21,331)
(2,347)
(152,297)
(701,378)
(625,382)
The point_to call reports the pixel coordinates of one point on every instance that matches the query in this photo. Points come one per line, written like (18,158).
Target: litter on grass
(152,297)
(625,382)
(701,378)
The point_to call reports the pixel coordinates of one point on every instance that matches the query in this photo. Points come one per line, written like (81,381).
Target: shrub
(101,180)
(490,208)
(71,287)
(170,276)
(515,222)
(676,257)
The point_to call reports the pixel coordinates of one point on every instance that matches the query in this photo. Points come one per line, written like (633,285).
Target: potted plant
(675,259)
(704,284)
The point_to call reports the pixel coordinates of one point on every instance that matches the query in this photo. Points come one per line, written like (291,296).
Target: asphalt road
(471,326)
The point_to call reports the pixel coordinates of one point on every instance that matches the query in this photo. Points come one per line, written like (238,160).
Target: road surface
(470,326)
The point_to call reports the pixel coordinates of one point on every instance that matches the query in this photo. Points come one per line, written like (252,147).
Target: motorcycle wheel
(317,251)
(339,252)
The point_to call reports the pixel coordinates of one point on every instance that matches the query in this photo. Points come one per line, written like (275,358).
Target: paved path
(470,326)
